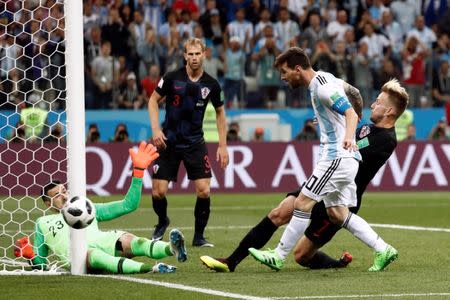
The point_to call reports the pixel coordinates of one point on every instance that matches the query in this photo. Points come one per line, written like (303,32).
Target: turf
(422,267)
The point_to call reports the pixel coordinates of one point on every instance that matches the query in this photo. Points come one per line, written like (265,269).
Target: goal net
(33,99)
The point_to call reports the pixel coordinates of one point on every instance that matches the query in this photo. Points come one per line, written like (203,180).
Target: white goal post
(42,69)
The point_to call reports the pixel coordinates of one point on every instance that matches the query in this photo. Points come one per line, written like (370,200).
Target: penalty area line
(181,287)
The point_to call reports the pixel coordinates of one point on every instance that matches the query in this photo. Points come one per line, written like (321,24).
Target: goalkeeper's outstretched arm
(145,155)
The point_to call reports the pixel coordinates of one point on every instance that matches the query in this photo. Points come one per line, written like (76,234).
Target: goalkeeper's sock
(257,237)
(201,213)
(151,248)
(321,260)
(103,261)
(160,208)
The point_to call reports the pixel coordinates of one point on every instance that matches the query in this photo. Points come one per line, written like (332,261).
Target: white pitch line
(365,296)
(182,287)
(406,227)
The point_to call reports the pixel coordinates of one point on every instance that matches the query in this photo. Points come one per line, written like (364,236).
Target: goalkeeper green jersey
(52,232)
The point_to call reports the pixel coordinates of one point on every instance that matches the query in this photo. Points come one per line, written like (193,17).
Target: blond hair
(193,42)
(397,96)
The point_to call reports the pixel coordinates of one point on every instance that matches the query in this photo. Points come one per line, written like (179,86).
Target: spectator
(129,97)
(175,53)
(18,135)
(378,44)
(234,68)
(376,11)
(387,72)
(56,134)
(117,34)
(308,132)
(121,134)
(299,8)
(363,74)
(439,132)
(92,44)
(393,31)
(441,85)
(166,29)
(411,133)
(149,52)
(138,28)
(425,35)
(214,31)
(233,134)
(286,30)
(258,135)
(187,25)
(93,135)
(351,47)
(265,52)
(104,74)
(149,83)
(343,63)
(404,13)
(337,29)
(322,58)
(403,124)
(186,5)
(212,65)
(34,117)
(242,29)
(313,33)
(413,55)
(264,20)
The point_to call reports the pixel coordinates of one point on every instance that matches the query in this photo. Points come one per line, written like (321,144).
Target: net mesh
(32,118)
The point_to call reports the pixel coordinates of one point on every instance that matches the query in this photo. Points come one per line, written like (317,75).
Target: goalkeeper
(107,250)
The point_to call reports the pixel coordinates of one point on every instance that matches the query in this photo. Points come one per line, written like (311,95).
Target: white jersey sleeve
(332,95)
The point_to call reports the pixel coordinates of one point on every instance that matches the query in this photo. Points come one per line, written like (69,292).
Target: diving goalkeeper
(107,250)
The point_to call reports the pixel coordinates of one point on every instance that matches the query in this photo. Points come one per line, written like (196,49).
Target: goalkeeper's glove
(141,159)
(23,248)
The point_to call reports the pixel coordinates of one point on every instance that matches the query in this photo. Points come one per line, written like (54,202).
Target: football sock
(201,214)
(150,248)
(160,208)
(321,260)
(362,230)
(115,264)
(293,232)
(257,237)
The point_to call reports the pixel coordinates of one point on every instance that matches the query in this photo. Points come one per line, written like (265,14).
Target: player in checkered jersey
(186,93)
(333,177)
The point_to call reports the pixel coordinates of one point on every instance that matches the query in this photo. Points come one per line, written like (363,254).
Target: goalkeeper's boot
(215,264)
(200,241)
(163,268)
(160,229)
(177,245)
(383,258)
(268,257)
(346,259)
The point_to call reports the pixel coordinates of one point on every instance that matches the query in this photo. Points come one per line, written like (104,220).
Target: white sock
(362,230)
(293,232)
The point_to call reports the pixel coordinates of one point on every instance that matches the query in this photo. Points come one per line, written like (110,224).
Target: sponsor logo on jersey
(205,92)
(365,130)
(200,103)
(363,143)
(155,168)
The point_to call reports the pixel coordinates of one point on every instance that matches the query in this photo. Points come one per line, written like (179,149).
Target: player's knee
(158,194)
(203,191)
(278,218)
(335,218)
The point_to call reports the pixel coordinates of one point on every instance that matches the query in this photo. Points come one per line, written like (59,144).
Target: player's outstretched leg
(215,264)
(269,258)
(177,245)
(153,249)
(99,260)
(383,258)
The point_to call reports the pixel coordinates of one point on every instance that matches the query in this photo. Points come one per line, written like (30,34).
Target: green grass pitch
(422,270)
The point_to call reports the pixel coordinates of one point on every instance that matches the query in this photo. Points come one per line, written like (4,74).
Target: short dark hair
(294,56)
(47,188)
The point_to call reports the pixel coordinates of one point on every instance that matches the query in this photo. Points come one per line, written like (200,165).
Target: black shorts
(320,231)
(195,160)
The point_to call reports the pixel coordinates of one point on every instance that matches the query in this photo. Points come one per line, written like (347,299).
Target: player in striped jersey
(332,180)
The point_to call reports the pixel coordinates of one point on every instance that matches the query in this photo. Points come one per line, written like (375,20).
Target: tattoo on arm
(355,98)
